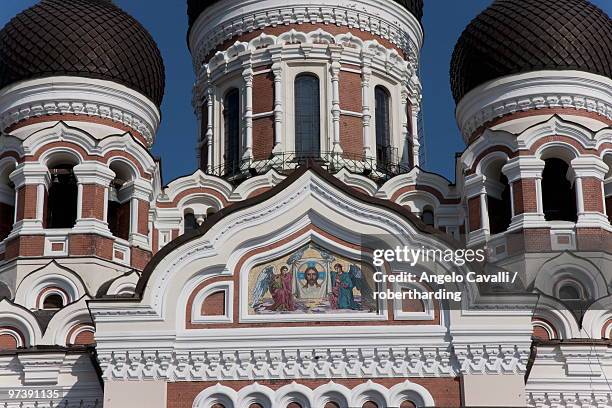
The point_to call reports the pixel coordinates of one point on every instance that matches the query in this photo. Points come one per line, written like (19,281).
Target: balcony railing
(285,162)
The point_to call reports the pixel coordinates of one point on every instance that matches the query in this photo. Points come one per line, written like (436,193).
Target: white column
(209,125)
(106,193)
(406,137)
(247,75)
(416,146)
(30,173)
(579,198)
(335,79)
(138,190)
(277,71)
(40,201)
(511,187)
(484,211)
(366,76)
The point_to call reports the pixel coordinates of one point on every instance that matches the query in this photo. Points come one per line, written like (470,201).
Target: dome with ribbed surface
(196,7)
(87,38)
(516,36)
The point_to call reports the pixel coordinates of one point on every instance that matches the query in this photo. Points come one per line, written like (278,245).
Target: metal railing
(285,162)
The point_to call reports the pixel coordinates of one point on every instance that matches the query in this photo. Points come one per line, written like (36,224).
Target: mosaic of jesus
(311,280)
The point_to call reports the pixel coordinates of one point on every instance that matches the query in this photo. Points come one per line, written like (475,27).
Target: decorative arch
(370,391)
(294,393)
(332,392)
(53,278)
(409,391)
(218,394)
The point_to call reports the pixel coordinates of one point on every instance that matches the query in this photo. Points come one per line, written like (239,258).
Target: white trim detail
(221,22)
(79,96)
(228,309)
(531,91)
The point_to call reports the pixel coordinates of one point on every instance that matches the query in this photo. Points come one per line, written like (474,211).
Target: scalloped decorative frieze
(219,365)
(387,21)
(532,91)
(388,57)
(79,96)
(568,399)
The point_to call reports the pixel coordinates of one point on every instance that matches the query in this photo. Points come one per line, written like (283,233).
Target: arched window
(255,405)
(370,404)
(558,195)
(408,404)
(427,216)
(307,116)
(119,202)
(62,200)
(231,123)
(7,201)
(569,291)
(218,406)
(53,301)
(190,221)
(383,125)
(294,405)
(331,405)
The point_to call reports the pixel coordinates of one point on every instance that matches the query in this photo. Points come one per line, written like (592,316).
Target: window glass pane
(231,120)
(307,119)
(383,126)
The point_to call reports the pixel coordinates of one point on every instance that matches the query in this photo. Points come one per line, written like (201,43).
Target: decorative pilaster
(406,137)
(335,80)
(525,179)
(476,194)
(247,75)
(277,71)
(93,181)
(140,194)
(589,172)
(210,94)
(366,76)
(31,181)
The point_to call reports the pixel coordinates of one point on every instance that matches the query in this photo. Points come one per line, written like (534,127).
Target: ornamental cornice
(532,91)
(222,22)
(492,358)
(286,363)
(79,96)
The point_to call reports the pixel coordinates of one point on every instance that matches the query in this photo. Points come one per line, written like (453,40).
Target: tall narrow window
(307,116)
(231,121)
(383,125)
(62,201)
(7,201)
(558,195)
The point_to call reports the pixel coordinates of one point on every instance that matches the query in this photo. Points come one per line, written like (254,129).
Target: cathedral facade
(256,281)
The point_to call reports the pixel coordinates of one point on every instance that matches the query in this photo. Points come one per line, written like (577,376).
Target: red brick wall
(143,217)
(93,201)
(6,219)
(140,258)
(350,91)
(25,245)
(84,338)
(474,213)
(592,194)
(26,202)
(351,134)
(263,137)
(263,93)
(214,304)
(90,245)
(525,197)
(7,342)
(445,391)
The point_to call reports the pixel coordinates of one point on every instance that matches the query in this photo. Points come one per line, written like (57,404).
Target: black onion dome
(87,38)
(196,7)
(516,36)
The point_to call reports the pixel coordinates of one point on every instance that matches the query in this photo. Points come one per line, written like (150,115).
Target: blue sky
(167,21)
